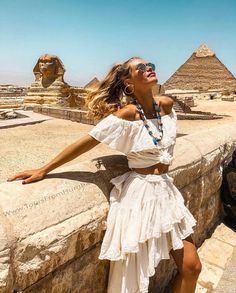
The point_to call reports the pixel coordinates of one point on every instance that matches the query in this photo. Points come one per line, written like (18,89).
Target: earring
(128,93)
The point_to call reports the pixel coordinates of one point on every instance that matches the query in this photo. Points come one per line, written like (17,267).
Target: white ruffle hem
(146,219)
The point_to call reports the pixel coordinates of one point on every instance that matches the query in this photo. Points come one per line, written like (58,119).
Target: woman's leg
(189,267)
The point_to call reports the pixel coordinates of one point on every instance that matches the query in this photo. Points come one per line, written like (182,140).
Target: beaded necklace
(159,123)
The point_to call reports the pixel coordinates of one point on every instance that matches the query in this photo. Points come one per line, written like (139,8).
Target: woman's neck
(146,101)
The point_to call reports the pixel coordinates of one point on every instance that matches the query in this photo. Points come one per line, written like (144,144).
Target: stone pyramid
(202,71)
(92,84)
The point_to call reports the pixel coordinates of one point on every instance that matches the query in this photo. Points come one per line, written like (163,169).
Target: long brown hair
(108,96)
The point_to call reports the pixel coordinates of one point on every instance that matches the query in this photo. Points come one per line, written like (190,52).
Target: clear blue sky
(89,36)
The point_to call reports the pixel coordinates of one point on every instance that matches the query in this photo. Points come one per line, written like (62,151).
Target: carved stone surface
(49,87)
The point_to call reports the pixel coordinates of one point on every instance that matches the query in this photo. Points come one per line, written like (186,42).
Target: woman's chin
(154,81)
(151,83)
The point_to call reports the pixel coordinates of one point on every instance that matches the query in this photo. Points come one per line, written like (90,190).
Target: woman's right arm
(72,151)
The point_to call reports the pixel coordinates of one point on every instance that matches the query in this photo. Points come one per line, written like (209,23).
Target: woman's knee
(192,268)
(187,259)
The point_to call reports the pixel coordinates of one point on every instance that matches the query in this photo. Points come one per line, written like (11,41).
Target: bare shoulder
(128,112)
(166,103)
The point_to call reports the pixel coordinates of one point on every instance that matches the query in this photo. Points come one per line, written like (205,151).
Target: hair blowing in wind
(107,97)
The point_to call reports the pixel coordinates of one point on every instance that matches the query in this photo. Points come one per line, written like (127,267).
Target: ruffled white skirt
(147,218)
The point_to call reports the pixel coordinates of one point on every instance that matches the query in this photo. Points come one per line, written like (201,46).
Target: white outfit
(147,215)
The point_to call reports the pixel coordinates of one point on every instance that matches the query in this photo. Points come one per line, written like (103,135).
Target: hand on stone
(29,175)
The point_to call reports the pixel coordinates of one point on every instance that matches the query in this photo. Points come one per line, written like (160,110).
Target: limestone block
(198,153)
(216,253)
(6,276)
(83,274)
(228,99)
(226,234)
(203,188)
(209,277)
(200,289)
(209,213)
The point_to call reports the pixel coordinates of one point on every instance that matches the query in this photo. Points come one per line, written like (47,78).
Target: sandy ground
(215,106)
(32,146)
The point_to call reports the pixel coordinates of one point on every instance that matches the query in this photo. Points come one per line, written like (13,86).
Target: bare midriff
(156,169)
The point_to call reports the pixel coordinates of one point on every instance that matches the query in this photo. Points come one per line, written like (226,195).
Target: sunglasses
(143,67)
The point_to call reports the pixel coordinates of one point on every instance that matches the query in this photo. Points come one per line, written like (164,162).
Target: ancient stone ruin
(183,106)
(80,93)
(10,114)
(92,84)
(202,76)
(49,87)
(11,96)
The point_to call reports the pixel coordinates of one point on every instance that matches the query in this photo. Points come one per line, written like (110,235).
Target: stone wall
(11,96)
(77,115)
(51,230)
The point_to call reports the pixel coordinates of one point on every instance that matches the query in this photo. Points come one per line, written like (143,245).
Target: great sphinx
(49,87)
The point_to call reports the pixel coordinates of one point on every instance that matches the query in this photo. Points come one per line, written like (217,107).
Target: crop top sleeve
(132,138)
(113,131)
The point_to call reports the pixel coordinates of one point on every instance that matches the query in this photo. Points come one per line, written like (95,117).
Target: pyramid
(202,71)
(92,84)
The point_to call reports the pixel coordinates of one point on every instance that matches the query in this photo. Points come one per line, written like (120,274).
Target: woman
(147,219)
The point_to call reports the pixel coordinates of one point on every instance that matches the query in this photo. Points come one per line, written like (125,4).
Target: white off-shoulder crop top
(132,139)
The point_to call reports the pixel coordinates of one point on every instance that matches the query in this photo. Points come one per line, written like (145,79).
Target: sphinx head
(49,67)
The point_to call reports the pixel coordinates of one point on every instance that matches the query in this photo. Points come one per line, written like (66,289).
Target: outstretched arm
(72,151)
